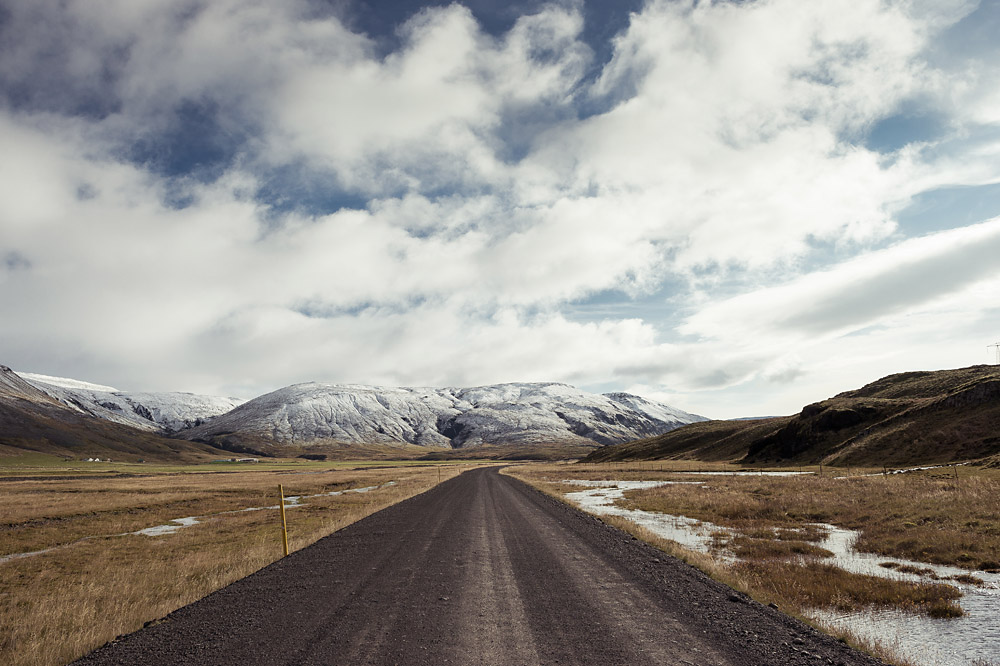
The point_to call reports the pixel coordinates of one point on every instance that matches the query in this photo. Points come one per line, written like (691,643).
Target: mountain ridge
(449,418)
(33,421)
(161,412)
(517,416)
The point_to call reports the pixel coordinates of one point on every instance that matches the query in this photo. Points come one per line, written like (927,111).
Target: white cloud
(735,133)
(431,109)
(922,304)
(720,148)
(861,292)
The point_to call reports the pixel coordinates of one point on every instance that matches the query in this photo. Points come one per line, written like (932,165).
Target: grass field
(949,515)
(96,581)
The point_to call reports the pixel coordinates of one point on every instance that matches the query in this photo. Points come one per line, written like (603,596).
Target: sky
(737,208)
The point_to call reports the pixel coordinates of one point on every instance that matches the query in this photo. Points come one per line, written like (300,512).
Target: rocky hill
(32,420)
(908,418)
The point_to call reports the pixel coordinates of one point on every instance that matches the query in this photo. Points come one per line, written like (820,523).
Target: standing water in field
(602,497)
(973,638)
(970,640)
(291,502)
(176,524)
(159,530)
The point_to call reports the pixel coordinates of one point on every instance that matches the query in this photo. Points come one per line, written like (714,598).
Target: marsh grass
(748,548)
(59,605)
(812,584)
(908,516)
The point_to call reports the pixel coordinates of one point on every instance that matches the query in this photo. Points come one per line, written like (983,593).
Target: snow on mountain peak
(445,417)
(63,382)
(154,412)
(310,412)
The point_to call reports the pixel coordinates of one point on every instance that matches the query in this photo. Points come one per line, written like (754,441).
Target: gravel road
(481,569)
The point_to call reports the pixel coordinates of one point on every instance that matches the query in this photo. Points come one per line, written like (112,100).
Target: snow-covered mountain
(14,387)
(153,412)
(32,420)
(446,417)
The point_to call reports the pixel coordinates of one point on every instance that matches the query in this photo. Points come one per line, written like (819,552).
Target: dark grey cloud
(898,288)
(15,261)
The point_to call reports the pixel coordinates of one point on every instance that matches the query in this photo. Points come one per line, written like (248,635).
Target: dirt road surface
(485,570)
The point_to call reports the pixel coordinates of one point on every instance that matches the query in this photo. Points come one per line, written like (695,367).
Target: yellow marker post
(284,524)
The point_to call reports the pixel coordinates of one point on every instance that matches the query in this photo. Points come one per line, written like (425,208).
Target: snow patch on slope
(13,385)
(446,417)
(64,382)
(153,412)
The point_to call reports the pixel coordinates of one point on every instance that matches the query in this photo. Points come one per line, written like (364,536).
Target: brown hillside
(705,440)
(902,419)
(31,420)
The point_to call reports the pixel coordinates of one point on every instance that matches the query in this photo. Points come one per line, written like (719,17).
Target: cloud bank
(231,196)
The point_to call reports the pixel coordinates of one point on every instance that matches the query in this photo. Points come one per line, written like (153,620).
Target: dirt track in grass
(482,569)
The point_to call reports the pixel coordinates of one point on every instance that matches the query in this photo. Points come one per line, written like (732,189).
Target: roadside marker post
(284,523)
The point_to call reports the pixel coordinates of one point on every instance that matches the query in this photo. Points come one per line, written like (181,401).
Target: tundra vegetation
(941,516)
(96,581)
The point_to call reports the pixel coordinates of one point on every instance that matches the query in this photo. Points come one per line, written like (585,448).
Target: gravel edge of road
(731,606)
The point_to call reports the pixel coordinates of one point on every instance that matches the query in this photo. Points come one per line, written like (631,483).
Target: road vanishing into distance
(481,569)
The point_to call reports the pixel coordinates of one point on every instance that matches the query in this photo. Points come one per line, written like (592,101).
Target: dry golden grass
(745,547)
(912,516)
(59,605)
(812,584)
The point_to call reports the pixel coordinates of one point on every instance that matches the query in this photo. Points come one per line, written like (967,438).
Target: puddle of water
(291,502)
(907,470)
(970,640)
(973,638)
(601,500)
(18,556)
(841,542)
(176,524)
(622,486)
(170,528)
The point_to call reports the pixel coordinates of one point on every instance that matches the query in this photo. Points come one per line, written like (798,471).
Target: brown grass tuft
(819,585)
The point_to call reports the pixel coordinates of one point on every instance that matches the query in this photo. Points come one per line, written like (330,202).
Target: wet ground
(177,524)
(970,640)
